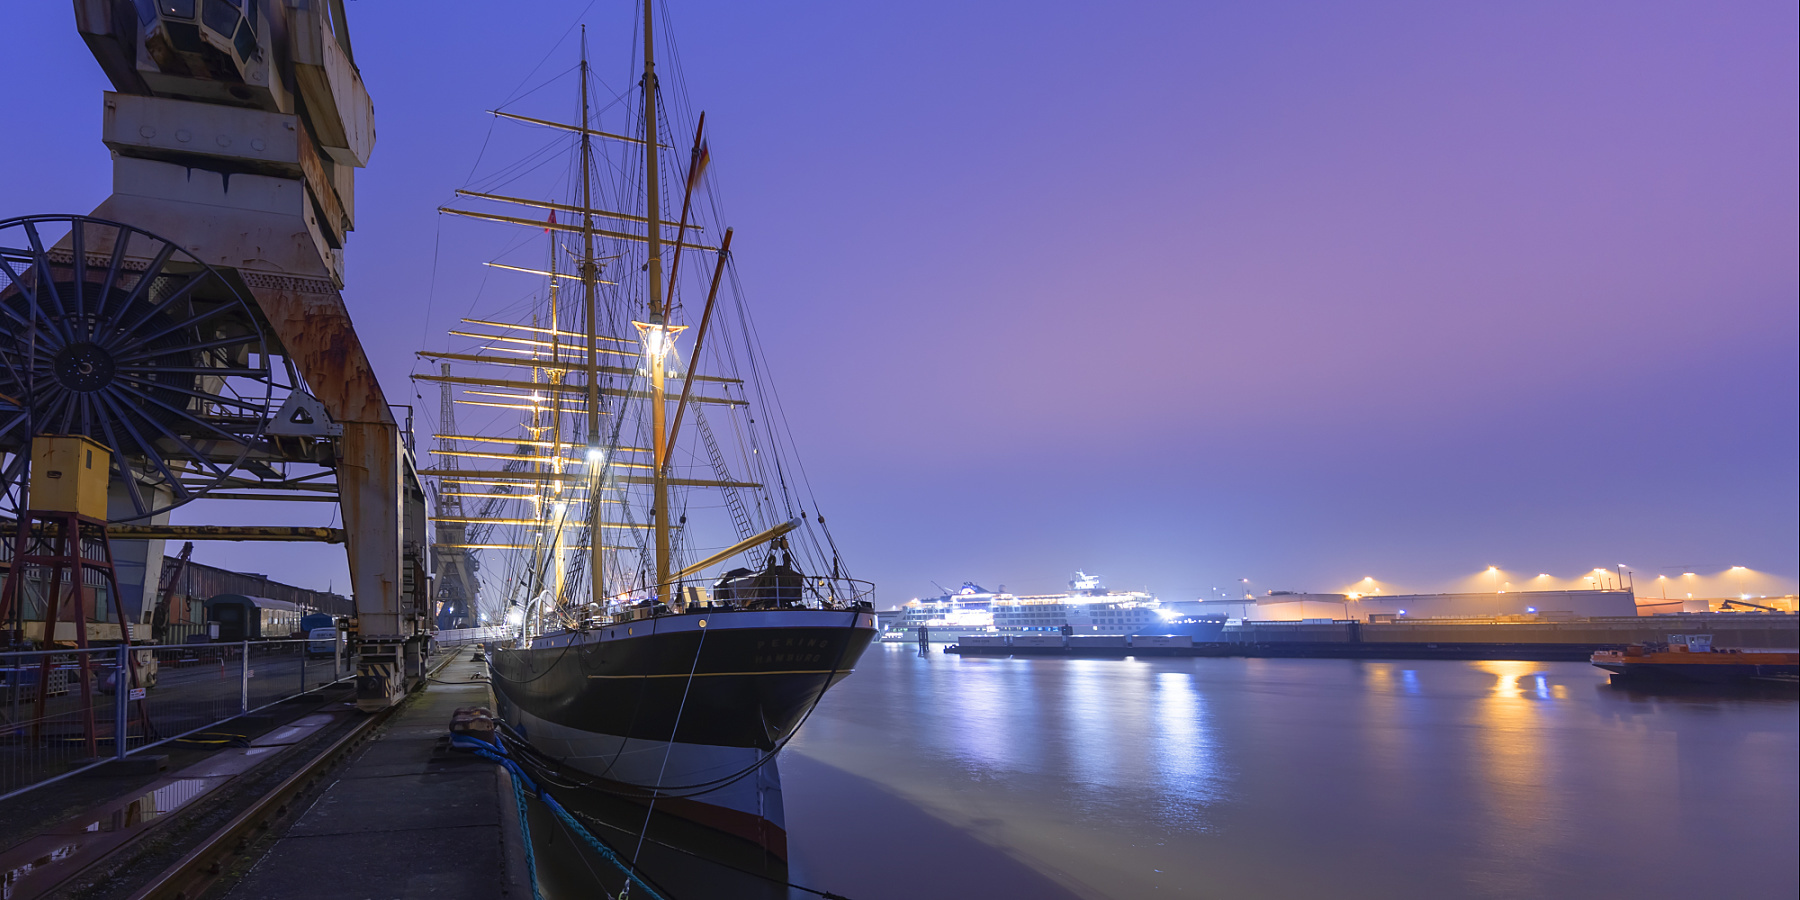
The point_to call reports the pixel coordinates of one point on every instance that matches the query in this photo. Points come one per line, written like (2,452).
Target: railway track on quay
(257,804)
(201,867)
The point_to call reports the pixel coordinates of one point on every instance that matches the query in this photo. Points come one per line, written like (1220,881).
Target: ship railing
(841,593)
(822,593)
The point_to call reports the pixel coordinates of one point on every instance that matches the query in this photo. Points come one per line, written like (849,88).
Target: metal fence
(451,637)
(63,711)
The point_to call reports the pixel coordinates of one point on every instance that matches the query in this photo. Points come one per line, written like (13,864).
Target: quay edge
(1549,641)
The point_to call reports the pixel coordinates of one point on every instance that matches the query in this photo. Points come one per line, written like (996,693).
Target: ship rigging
(588,488)
(603,410)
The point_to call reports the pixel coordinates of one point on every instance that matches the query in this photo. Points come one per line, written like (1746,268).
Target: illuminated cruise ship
(1087,608)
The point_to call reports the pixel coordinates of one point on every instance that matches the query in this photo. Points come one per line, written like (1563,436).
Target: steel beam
(227,533)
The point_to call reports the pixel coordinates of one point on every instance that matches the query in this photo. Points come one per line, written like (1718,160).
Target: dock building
(1294,606)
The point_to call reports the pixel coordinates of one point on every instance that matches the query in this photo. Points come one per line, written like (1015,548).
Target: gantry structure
(236,128)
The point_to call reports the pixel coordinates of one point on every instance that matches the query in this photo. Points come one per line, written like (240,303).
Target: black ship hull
(691,707)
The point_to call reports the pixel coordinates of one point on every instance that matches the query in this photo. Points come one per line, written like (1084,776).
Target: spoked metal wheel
(114,333)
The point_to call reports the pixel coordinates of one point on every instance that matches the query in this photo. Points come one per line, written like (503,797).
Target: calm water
(952,777)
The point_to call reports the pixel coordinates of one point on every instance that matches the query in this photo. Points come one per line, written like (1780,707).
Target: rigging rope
(669,745)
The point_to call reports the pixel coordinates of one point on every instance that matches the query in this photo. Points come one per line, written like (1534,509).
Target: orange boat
(1692,657)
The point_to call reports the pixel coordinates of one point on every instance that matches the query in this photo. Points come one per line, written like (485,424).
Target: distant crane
(165,592)
(457,585)
(1730,603)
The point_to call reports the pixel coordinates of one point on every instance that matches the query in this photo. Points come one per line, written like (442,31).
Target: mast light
(658,340)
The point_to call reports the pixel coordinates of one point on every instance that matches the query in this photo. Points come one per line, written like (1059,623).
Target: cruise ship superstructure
(1087,607)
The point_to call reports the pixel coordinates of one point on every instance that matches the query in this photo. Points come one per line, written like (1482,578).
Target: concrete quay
(407,816)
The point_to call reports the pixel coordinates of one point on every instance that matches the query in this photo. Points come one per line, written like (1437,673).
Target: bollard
(122,684)
(244,681)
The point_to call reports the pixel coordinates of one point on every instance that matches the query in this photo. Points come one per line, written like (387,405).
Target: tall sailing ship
(674,604)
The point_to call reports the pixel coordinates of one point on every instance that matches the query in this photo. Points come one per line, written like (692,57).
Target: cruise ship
(1087,608)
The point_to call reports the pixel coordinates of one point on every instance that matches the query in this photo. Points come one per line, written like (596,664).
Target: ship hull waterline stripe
(750,808)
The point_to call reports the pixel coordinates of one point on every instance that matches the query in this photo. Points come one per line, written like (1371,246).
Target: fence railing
(51,728)
(454,636)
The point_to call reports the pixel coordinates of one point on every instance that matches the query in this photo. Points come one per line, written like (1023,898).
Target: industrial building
(184,618)
(1291,606)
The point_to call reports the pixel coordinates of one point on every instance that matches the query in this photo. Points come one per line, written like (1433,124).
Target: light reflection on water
(1183,750)
(1330,778)
(1092,717)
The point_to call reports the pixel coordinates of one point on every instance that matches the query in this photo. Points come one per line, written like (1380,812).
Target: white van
(322,642)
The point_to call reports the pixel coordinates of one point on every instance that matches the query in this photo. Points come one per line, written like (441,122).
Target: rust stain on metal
(313,323)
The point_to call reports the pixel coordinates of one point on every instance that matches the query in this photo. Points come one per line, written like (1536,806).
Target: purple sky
(1179,293)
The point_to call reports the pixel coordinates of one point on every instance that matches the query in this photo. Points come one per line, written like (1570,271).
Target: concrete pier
(408,817)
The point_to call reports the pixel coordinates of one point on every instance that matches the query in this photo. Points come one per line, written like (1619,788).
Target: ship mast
(555,502)
(589,277)
(657,333)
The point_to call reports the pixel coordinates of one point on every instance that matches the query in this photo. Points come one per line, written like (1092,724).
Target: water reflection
(1184,751)
(53,856)
(1507,675)
(986,732)
(1231,777)
(1091,706)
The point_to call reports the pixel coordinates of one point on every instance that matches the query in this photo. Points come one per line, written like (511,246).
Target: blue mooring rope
(498,754)
(524,832)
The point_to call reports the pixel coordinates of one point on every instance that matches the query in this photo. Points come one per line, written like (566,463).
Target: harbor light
(515,617)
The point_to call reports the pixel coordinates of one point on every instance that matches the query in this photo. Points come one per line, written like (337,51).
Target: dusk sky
(1179,293)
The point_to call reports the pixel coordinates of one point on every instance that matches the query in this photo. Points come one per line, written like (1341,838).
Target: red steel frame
(69,528)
